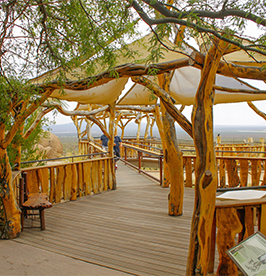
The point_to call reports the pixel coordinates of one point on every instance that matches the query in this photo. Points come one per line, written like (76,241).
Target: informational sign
(250,255)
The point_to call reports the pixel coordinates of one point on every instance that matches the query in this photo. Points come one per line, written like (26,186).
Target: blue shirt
(104,140)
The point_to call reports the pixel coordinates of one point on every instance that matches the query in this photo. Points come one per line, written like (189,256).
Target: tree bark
(173,156)
(168,103)
(166,171)
(205,167)
(12,227)
(111,142)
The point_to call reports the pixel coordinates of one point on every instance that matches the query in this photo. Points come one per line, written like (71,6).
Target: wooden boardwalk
(127,229)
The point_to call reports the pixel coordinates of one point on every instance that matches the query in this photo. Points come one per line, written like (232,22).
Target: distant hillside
(228,133)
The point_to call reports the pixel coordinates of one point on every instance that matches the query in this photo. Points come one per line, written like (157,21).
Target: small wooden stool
(32,201)
(36,201)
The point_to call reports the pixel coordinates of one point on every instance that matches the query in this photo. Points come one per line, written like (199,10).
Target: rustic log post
(232,173)
(166,171)
(173,156)
(151,126)
(138,121)
(147,127)
(11,226)
(228,225)
(111,142)
(205,167)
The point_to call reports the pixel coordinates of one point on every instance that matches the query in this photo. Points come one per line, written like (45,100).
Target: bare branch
(260,113)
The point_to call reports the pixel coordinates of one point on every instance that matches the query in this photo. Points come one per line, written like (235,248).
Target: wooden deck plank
(127,229)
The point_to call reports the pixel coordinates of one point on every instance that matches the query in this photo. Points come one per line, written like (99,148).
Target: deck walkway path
(127,229)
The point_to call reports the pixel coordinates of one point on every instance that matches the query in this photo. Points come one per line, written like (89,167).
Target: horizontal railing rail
(64,157)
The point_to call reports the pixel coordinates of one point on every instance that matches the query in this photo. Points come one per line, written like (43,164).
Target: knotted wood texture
(12,226)
(205,167)
(111,146)
(228,225)
(166,171)
(173,156)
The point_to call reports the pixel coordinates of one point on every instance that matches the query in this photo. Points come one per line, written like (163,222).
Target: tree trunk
(166,171)
(111,142)
(11,227)
(173,156)
(205,167)
(138,121)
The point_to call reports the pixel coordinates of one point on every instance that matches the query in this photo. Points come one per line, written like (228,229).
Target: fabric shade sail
(183,85)
(185,82)
(103,94)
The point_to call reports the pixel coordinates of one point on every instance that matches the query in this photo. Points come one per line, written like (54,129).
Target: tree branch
(260,113)
(167,100)
(174,17)
(36,122)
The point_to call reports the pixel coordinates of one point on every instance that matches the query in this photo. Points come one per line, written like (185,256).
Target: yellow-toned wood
(95,178)
(243,172)
(249,222)
(222,173)
(74,185)
(80,180)
(59,183)
(205,167)
(230,69)
(110,175)
(67,182)
(87,178)
(52,185)
(167,100)
(264,177)
(231,167)
(228,225)
(100,176)
(263,219)
(188,166)
(147,127)
(166,171)
(260,113)
(105,175)
(111,143)
(12,226)
(139,128)
(33,183)
(255,172)
(43,175)
(173,156)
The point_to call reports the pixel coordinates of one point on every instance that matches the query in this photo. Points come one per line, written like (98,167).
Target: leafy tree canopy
(207,19)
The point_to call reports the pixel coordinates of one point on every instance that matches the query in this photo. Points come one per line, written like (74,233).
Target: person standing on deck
(104,140)
(117,145)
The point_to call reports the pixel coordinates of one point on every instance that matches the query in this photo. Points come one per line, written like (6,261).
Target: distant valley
(228,133)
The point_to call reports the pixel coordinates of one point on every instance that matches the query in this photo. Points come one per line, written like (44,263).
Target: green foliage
(29,150)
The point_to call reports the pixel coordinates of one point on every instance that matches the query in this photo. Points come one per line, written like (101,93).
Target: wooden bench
(32,202)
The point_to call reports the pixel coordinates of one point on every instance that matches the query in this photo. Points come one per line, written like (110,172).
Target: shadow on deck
(127,229)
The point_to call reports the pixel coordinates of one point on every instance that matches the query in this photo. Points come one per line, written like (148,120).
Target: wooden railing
(71,180)
(129,151)
(88,147)
(232,170)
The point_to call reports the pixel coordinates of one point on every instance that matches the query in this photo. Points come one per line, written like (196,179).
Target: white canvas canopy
(183,86)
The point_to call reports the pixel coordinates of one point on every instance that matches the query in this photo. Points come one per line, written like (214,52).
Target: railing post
(125,153)
(139,159)
(161,170)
